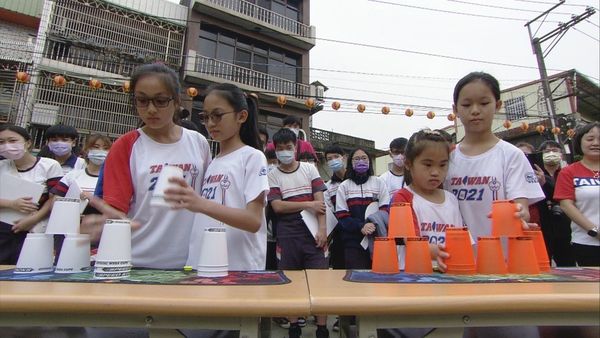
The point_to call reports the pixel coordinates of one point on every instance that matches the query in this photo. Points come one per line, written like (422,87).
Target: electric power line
(586,34)
(502,7)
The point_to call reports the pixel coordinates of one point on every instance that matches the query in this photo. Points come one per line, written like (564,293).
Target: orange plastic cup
(401,222)
(540,249)
(418,258)
(490,259)
(521,256)
(385,255)
(458,246)
(504,221)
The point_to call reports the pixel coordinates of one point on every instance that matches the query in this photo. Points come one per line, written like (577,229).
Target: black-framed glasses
(158,101)
(215,117)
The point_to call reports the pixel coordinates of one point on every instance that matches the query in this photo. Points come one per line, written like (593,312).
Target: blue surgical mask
(97,156)
(335,164)
(285,156)
(60,148)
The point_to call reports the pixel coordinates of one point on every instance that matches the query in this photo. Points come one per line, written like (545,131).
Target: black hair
(446,135)
(61,130)
(240,101)
(169,78)
(416,144)
(525,145)
(288,120)
(334,149)
(183,113)
(549,143)
(486,78)
(284,135)
(270,154)
(399,143)
(353,175)
(579,132)
(263,131)
(16,129)
(187,124)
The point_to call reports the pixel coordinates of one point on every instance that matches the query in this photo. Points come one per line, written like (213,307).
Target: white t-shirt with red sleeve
(234,180)
(130,174)
(577,183)
(501,173)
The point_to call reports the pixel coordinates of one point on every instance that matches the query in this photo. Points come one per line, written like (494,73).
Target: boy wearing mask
(394,178)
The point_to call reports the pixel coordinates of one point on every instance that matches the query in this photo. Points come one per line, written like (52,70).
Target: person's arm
(321,237)
(568,206)
(28,222)
(23,204)
(287,207)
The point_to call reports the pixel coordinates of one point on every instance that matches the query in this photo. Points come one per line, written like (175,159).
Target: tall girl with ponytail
(235,186)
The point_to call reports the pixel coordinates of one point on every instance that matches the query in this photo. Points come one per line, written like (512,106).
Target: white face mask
(13,151)
(398,160)
(97,156)
(285,156)
(552,157)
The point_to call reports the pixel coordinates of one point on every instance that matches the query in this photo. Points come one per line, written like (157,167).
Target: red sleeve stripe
(318,185)
(274,194)
(60,189)
(52,182)
(342,214)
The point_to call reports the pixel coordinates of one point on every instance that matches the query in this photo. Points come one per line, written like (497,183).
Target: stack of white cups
(213,260)
(113,260)
(37,252)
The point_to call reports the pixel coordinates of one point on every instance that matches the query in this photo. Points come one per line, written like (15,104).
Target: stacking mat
(555,275)
(157,277)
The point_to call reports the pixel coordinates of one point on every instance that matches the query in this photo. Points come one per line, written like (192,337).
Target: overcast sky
(418,80)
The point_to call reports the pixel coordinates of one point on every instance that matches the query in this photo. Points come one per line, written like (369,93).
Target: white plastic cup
(74,255)
(64,218)
(36,255)
(213,260)
(162,184)
(113,259)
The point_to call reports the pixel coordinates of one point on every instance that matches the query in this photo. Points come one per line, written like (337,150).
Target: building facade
(81,40)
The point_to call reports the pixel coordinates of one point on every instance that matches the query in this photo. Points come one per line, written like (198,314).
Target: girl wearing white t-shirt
(19,162)
(136,159)
(484,168)
(427,156)
(235,185)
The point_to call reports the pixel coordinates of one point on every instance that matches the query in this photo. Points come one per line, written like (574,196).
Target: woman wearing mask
(15,143)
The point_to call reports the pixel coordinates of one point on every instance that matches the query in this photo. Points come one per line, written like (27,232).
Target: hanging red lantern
(524,126)
(451,117)
(556,130)
(540,129)
(59,80)
(95,84)
(507,124)
(310,102)
(335,105)
(126,86)
(571,133)
(430,115)
(385,110)
(192,92)
(361,108)
(409,112)
(22,77)
(281,100)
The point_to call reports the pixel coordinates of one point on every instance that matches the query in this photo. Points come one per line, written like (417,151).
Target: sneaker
(294,331)
(322,332)
(282,322)
(336,326)
(302,321)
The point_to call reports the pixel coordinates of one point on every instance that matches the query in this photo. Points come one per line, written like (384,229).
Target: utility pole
(536,44)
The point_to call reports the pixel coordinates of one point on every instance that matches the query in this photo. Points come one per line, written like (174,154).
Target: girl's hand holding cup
(181,196)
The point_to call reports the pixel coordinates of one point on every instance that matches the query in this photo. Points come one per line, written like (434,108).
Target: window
(515,108)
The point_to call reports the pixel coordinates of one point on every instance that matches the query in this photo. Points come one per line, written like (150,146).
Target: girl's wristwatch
(593,232)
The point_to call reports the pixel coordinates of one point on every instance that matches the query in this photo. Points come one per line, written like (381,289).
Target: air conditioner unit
(44,114)
(317,92)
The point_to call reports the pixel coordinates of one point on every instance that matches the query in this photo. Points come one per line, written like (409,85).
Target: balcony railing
(94,59)
(249,77)
(262,14)
(321,138)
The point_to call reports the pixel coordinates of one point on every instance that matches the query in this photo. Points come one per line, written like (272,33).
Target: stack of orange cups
(490,259)
(521,256)
(540,248)
(418,258)
(401,222)
(504,220)
(458,246)
(385,255)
